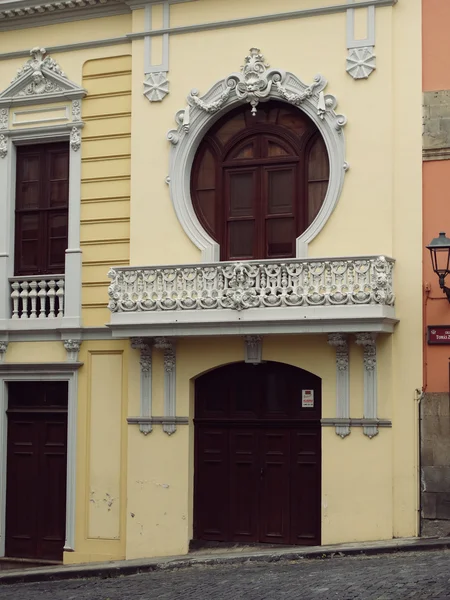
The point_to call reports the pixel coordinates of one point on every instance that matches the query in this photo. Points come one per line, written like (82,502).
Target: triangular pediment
(40,80)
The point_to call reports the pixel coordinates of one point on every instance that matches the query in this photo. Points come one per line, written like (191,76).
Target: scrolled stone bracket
(72,348)
(168,347)
(3,349)
(144,346)
(340,342)
(368,343)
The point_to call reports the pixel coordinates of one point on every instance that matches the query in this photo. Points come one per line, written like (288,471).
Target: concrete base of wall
(435,464)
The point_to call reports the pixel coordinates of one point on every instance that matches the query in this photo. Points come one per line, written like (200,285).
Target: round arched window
(259,182)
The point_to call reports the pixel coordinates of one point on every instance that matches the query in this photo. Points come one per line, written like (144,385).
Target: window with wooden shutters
(259,181)
(42,200)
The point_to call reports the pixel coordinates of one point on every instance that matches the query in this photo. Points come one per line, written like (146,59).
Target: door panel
(305,497)
(257,455)
(244,475)
(274,487)
(211,485)
(36,470)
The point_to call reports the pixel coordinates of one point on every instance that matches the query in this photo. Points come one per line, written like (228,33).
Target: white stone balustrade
(256,284)
(37,297)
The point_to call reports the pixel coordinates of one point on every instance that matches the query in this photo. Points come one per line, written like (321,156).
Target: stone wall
(435,464)
(436,125)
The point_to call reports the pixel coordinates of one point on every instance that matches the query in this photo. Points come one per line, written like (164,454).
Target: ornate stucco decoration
(72,348)
(368,342)
(253,349)
(4,118)
(340,342)
(262,284)
(169,422)
(3,349)
(254,84)
(144,345)
(75,139)
(156,86)
(3,146)
(361,62)
(39,80)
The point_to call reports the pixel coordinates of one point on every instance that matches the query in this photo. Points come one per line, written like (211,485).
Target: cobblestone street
(418,575)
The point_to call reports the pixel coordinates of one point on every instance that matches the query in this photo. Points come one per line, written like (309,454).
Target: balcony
(37,297)
(268,296)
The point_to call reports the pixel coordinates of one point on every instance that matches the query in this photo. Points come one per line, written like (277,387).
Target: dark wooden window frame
(45,262)
(298,157)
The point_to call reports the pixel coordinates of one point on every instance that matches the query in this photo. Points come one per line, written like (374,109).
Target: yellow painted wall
(105,184)
(101,496)
(369,486)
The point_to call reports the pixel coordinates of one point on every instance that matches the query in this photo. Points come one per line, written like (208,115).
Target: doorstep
(209,557)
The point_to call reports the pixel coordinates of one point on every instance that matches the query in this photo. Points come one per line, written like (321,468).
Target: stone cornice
(17,14)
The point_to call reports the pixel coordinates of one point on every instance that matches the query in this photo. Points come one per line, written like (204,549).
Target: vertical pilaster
(6,200)
(145,348)
(170,409)
(368,342)
(340,342)
(72,308)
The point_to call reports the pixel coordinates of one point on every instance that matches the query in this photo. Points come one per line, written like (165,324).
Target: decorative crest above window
(39,80)
(255,83)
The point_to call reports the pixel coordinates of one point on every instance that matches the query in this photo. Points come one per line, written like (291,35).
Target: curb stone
(125,568)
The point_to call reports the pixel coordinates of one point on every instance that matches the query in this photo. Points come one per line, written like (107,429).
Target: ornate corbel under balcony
(368,342)
(3,349)
(340,342)
(72,348)
(168,346)
(253,349)
(145,348)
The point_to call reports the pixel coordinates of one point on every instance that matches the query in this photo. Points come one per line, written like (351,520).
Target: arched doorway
(258,455)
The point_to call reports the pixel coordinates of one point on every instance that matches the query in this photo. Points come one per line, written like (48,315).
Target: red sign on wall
(439,334)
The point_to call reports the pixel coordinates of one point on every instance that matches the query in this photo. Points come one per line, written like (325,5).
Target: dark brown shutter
(42,199)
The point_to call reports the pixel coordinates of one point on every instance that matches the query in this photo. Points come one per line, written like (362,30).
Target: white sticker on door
(307,398)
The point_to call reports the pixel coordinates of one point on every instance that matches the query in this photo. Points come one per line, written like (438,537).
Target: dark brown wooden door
(257,455)
(36,470)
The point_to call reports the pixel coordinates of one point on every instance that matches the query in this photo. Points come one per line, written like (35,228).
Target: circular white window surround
(256,83)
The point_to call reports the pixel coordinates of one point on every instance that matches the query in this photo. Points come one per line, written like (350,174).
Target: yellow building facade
(178,365)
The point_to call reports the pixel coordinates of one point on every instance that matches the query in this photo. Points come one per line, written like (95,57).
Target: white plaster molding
(42,372)
(3,146)
(4,118)
(361,62)
(168,346)
(253,349)
(3,349)
(145,348)
(40,80)
(72,348)
(156,86)
(75,139)
(340,342)
(203,111)
(76,110)
(368,342)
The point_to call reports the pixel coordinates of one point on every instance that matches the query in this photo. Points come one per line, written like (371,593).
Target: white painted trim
(368,342)
(43,372)
(340,342)
(145,348)
(16,113)
(72,309)
(193,123)
(367,41)
(170,380)
(164,66)
(125,39)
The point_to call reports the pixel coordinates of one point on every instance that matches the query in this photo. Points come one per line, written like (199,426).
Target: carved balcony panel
(37,297)
(302,292)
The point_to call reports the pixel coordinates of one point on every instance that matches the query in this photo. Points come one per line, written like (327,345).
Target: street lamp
(440,258)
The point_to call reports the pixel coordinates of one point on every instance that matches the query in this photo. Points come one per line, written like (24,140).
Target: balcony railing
(37,297)
(265,284)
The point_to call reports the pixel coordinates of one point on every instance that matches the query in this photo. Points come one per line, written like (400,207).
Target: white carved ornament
(3,146)
(156,86)
(254,84)
(264,284)
(361,62)
(39,83)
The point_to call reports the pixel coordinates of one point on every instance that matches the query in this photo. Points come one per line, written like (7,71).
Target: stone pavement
(399,576)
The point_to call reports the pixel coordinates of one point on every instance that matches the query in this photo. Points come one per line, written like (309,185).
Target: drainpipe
(419,398)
